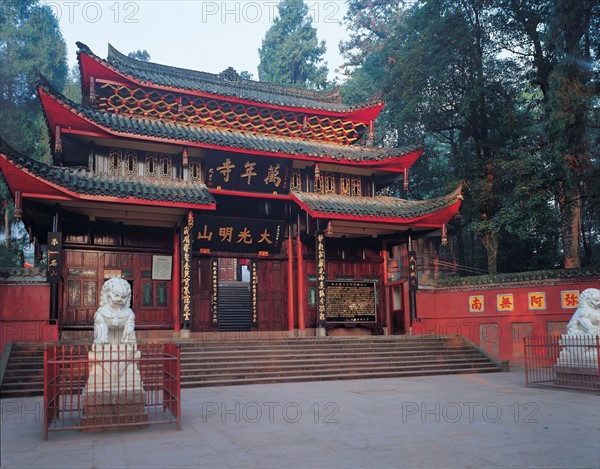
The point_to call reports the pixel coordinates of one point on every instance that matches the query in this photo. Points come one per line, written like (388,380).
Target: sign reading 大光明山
(226,234)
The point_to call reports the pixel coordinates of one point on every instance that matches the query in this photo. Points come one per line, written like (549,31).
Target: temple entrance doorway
(397,308)
(234,304)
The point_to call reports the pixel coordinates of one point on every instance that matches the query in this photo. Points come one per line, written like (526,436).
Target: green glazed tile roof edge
(84,182)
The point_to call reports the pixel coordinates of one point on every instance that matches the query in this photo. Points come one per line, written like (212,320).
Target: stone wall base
(107,411)
(577,377)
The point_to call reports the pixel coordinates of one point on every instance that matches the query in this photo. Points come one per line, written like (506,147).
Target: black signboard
(54,257)
(321,274)
(186,271)
(248,173)
(237,235)
(349,301)
(413,280)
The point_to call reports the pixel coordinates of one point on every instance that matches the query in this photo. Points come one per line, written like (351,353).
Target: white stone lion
(114,321)
(586,320)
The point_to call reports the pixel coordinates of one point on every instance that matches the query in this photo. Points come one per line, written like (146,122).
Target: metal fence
(112,386)
(564,361)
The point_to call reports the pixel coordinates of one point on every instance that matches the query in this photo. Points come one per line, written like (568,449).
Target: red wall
(24,313)
(499,332)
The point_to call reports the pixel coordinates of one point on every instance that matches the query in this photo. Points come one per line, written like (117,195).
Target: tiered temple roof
(130,101)
(228,84)
(84,120)
(431,212)
(57,183)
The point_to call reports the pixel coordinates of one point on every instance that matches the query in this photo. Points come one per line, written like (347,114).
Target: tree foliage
(504,94)
(30,44)
(291,53)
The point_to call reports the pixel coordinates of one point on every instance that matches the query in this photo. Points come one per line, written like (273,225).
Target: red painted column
(301,294)
(386,297)
(176,299)
(290,284)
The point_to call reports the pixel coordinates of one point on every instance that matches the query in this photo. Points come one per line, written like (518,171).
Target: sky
(204,35)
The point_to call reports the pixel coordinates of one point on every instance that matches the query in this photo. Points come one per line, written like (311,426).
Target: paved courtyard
(464,421)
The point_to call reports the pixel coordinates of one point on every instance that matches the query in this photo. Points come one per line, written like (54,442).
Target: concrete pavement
(463,421)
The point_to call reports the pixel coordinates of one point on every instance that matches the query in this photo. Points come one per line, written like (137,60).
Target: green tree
(72,88)
(558,44)
(370,24)
(444,81)
(291,53)
(30,43)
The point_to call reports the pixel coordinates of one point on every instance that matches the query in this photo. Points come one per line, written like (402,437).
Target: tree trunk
(490,242)
(570,225)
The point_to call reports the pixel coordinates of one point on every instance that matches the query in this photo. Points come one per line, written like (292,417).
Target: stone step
(299,361)
(331,377)
(210,355)
(341,348)
(323,360)
(291,370)
(215,363)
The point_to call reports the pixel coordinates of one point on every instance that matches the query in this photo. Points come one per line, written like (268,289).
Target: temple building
(227,204)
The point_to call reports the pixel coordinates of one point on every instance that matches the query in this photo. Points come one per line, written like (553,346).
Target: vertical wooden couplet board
(186,272)
(321,274)
(54,257)
(214,291)
(254,292)
(413,280)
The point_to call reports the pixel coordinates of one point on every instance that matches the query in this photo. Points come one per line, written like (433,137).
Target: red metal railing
(116,386)
(565,361)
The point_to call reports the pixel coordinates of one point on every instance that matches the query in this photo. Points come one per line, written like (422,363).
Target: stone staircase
(24,373)
(309,359)
(252,361)
(233,306)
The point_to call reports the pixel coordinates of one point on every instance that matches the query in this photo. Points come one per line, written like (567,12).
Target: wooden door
(81,274)
(227,270)
(272,295)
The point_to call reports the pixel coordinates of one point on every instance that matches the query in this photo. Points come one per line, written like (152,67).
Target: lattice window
(115,158)
(131,163)
(195,170)
(165,167)
(318,185)
(345,185)
(296,181)
(356,186)
(194,110)
(151,165)
(329,184)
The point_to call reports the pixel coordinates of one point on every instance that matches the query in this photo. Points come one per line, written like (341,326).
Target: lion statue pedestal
(114,395)
(577,363)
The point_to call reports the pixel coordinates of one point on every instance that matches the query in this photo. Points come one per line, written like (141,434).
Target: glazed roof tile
(383,207)
(236,139)
(226,84)
(83,182)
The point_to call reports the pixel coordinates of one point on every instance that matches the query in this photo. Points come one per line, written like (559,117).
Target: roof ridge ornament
(230,74)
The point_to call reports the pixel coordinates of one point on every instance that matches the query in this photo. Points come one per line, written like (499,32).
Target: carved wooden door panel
(82,282)
(272,295)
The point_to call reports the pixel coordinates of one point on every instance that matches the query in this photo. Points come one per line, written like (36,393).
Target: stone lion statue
(114,321)
(586,319)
